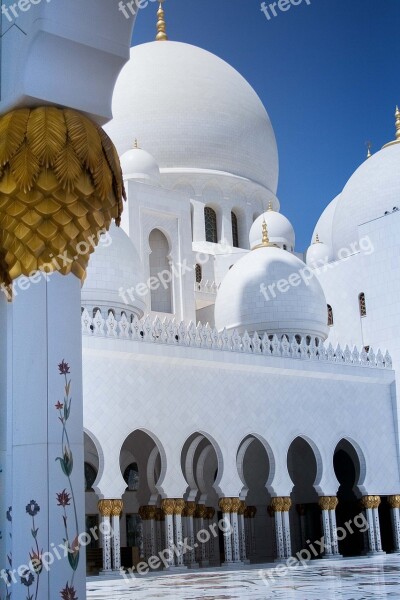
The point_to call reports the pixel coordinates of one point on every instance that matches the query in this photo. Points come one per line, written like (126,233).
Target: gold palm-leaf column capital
(60,187)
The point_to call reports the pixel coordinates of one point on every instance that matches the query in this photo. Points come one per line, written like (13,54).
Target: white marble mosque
(224,375)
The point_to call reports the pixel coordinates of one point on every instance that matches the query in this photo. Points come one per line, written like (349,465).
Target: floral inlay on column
(65,498)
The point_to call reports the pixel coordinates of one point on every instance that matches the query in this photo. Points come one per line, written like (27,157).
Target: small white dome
(249,297)
(371,191)
(114,268)
(280,230)
(318,254)
(136,163)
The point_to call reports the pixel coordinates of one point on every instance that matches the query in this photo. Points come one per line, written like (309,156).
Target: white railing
(207,287)
(203,336)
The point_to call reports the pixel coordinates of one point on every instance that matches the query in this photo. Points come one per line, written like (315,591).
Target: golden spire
(397,140)
(317,240)
(369,147)
(265,243)
(161,33)
(136,144)
(270,207)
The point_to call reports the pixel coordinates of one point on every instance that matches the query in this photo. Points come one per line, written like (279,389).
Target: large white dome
(192,112)
(373,189)
(114,268)
(242,305)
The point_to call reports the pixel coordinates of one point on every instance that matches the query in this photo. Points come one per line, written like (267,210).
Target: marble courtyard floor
(351,579)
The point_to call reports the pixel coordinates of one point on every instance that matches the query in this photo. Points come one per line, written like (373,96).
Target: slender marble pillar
(190,511)
(332,518)
(325,506)
(281,507)
(394,502)
(152,530)
(242,532)
(235,506)
(167,506)
(371,505)
(116,511)
(225,506)
(105,510)
(178,510)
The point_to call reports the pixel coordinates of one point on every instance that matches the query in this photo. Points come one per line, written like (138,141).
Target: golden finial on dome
(161,26)
(136,144)
(317,240)
(265,242)
(270,207)
(397,140)
(369,147)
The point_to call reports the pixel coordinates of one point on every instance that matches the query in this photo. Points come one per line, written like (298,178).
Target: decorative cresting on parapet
(225,504)
(328,502)
(117,508)
(281,504)
(394,501)
(60,185)
(173,333)
(168,506)
(105,507)
(370,501)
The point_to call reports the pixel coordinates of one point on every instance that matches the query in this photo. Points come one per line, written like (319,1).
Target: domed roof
(318,254)
(373,189)
(324,225)
(136,163)
(245,302)
(280,230)
(193,112)
(114,268)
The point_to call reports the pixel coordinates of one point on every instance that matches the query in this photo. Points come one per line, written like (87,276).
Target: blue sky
(327,73)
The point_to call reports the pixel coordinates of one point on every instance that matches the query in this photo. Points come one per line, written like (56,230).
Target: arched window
(235,230)
(131,476)
(330,316)
(90,477)
(362,305)
(199,274)
(210,218)
(161,295)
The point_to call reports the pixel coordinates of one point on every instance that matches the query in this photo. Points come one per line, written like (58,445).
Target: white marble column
(226,226)
(371,505)
(199,228)
(334,539)
(281,507)
(242,532)
(325,506)
(168,505)
(178,510)
(225,506)
(213,534)
(116,511)
(190,511)
(235,506)
(152,530)
(105,510)
(394,502)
